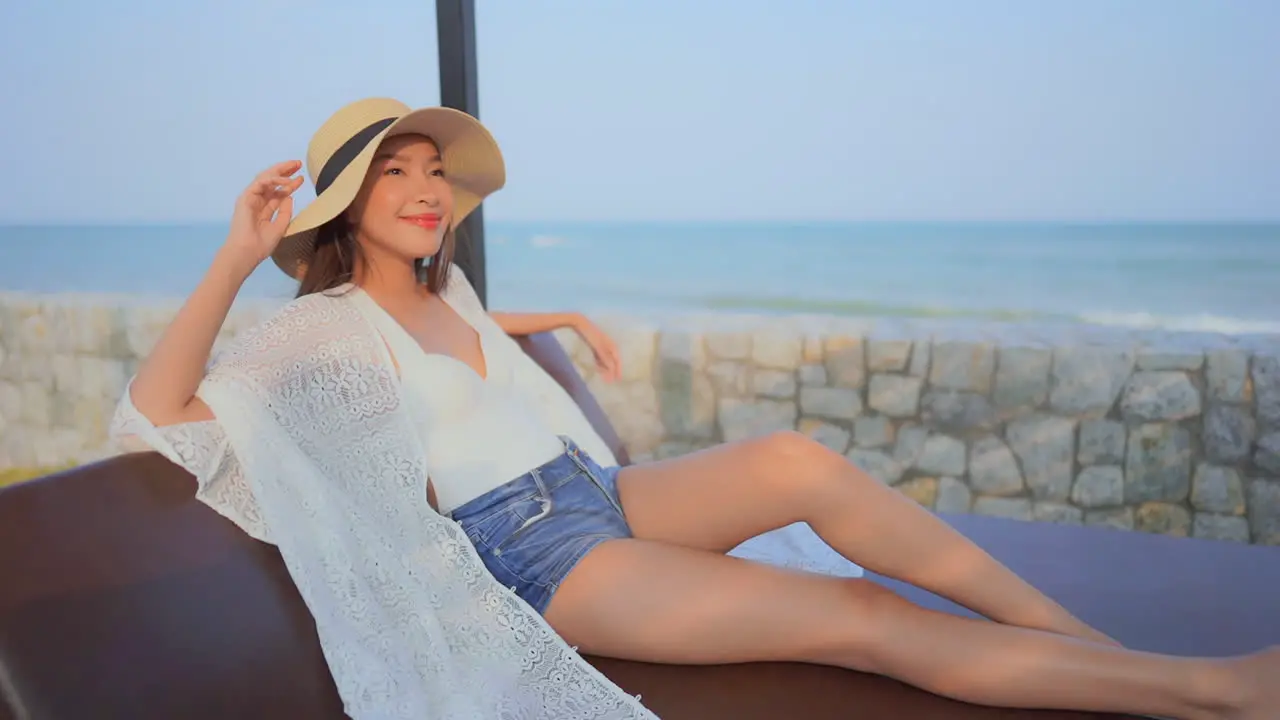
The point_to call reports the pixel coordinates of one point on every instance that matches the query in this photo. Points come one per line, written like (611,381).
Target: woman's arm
(533,323)
(608,361)
(164,388)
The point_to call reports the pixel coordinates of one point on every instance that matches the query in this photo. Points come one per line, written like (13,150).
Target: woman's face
(405,205)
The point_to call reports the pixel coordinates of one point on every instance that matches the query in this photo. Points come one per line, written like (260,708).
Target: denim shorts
(531,532)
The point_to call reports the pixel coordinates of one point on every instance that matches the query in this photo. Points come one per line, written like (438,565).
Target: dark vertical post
(459,89)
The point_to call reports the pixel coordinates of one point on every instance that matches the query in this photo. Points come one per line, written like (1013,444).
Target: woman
(325,430)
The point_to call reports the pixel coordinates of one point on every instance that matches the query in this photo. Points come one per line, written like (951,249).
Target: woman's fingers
(609,361)
(277,178)
(283,214)
(277,185)
(285,169)
(617,361)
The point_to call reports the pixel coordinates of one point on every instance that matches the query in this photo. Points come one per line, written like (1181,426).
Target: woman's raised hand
(263,211)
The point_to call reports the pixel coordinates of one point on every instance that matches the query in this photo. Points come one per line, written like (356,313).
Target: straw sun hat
(342,149)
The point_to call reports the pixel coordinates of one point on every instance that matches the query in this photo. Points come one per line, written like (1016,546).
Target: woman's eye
(394,171)
(438,172)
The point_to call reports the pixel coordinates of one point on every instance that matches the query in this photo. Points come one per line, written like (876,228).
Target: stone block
(1101,442)
(1158,464)
(957,411)
(910,444)
(730,379)
(1216,489)
(832,436)
(953,496)
(87,330)
(1099,486)
(779,384)
(942,455)
(729,345)
(888,355)
(777,350)
(1046,447)
(143,326)
(962,366)
(1169,359)
(1163,519)
(1057,513)
(66,373)
(1228,432)
(1267,456)
(682,348)
(10,403)
(845,361)
(924,490)
(1264,511)
(1022,379)
(1116,518)
(742,419)
(993,470)
(815,375)
(1012,508)
(872,431)
(813,349)
(18,445)
(1087,379)
(34,335)
(1229,528)
(830,402)
(1266,389)
(877,464)
(896,396)
(920,353)
(1226,376)
(686,400)
(37,406)
(1163,395)
(637,350)
(673,449)
(634,410)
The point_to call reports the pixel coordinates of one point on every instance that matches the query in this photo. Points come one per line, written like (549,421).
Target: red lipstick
(429,221)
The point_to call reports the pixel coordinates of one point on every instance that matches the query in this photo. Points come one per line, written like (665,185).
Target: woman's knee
(862,633)
(799,464)
(790,449)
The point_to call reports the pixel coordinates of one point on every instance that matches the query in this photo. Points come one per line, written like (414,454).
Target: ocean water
(1203,277)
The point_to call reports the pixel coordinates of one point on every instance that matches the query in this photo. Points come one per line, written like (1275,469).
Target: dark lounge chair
(123,597)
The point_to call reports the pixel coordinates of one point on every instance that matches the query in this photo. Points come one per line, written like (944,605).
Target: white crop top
(480,433)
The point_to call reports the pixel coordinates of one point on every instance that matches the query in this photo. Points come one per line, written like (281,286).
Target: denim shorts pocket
(497,529)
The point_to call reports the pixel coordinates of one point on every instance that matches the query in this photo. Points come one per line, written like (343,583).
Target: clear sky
(668,109)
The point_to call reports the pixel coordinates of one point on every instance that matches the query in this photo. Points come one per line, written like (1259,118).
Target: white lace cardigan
(312,451)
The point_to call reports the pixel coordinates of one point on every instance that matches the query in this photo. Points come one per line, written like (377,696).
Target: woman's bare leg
(720,497)
(655,602)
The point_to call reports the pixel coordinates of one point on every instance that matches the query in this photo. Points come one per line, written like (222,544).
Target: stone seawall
(1155,433)
(1143,435)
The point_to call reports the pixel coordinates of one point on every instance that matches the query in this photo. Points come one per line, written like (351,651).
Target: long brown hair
(336,253)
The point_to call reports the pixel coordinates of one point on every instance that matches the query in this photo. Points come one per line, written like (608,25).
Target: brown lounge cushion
(123,597)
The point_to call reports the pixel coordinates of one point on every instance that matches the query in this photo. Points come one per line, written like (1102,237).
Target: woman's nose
(429,197)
